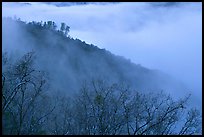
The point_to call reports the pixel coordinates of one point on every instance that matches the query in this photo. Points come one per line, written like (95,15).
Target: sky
(167,38)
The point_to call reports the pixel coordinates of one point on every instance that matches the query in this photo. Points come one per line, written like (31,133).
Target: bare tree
(114,109)
(99,108)
(22,96)
(61,120)
(192,124)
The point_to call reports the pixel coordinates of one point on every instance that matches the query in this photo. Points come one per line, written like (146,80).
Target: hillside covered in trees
(54,84)
(76,61)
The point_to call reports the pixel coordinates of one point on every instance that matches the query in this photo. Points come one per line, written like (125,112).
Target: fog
(167,38)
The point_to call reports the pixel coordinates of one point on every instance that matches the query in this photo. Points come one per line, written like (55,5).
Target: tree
(109,110)
(192,124)
(54,25)
(49,25)
(45,25)
(23,90)
(62,28)
(99,108)
(67,30)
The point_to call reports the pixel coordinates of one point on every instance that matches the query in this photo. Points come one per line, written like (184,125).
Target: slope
(70,62)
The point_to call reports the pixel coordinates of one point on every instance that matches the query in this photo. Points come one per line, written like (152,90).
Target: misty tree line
(51,25)
(99,108)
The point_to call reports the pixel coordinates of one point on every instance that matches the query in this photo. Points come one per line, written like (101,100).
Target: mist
(166,38)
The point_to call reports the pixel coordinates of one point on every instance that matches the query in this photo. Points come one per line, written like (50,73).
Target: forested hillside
(75,61)
(54,84)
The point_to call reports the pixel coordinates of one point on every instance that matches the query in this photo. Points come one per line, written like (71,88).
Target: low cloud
(167,38)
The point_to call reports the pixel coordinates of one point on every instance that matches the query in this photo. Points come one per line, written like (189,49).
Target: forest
(77,96)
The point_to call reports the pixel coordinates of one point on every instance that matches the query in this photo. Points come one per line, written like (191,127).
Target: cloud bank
(168,38)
